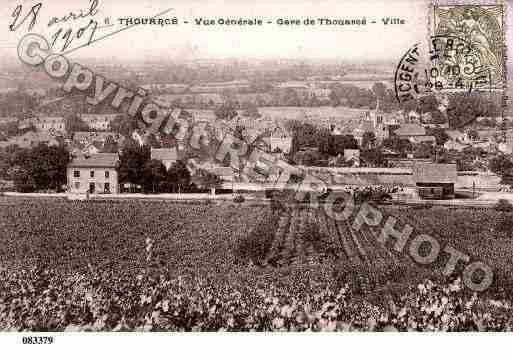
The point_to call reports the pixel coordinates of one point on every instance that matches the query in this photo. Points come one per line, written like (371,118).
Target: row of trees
(137,168)
(40,168)
(43,168)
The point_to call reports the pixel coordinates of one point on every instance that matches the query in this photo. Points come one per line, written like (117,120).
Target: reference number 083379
(37,340)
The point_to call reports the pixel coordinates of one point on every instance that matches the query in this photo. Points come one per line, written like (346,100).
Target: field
(159,265)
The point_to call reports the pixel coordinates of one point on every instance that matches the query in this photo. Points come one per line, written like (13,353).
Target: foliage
(303,135)
(503,205)
(206,180)
(239,199)
(439,133)
(399,145)
(464,109)
(368,140)
(501,165)
(40,168)
(23,181)
(132,161)
(178,177)
(225,111)
(334,145)
(424,150)
(125,266)
(154,173)
(309,158)
(373,157)
(472,134)
(256,245)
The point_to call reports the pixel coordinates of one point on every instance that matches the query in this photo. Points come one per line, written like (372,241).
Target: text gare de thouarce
(291,21)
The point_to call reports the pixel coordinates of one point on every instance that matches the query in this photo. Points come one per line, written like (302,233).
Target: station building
(435,180)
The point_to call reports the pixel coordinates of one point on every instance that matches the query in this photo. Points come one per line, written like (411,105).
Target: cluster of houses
(94,170)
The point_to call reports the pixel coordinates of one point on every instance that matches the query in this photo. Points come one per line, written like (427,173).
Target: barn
(435,180)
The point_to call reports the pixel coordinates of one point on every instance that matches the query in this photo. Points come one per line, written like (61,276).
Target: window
(76,174)
(91,187)
(106,187)
(106,174)
(92,174)
(77,185)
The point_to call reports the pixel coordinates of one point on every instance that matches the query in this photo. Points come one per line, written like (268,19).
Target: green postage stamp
(481,27)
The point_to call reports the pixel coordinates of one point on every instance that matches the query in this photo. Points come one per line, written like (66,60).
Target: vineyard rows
(306,234)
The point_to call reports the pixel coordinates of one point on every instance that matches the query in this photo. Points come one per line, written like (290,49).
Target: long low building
(427,175)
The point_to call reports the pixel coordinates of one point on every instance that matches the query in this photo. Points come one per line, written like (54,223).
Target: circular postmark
(452,65)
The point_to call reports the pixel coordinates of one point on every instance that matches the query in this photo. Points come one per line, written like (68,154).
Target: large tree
(334,145)
(178,178)
(206,180)
(439,133)
(132,161)
(399,145)
(154,173)
(368,140)
(501,165)
(43,166)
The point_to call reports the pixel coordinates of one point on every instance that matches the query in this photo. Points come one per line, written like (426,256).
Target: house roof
(410,129)
(434,173)
(99,116)
(364,126)
(164,154)
(454,134)
(30,139)
(222,172)
(48,119)
(90,136)
(96,160)
(8,119)
(454,145)
(425,139)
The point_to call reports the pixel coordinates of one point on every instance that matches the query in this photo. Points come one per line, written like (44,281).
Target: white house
(94,174)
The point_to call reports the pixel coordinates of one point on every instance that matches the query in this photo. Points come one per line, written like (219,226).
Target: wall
(481,180)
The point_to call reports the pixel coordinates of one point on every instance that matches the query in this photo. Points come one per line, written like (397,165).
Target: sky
(189,41)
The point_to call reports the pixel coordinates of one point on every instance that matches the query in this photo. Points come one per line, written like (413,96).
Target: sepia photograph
(275,166)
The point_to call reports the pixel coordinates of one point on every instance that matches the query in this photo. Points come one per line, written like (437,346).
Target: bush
(256,245)
(503,206)
(239,199)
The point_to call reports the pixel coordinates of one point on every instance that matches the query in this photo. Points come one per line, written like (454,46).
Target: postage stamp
(465,53)
(482,27)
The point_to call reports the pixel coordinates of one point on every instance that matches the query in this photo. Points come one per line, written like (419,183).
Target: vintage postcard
(255,166)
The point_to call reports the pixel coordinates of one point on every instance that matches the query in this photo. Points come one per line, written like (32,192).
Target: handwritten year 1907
(66,35)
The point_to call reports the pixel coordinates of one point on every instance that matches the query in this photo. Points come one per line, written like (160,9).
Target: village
(362,147)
